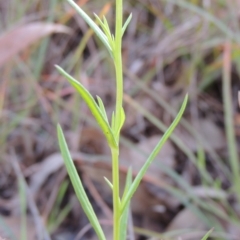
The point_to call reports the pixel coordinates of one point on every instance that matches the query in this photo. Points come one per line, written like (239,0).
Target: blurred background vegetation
(171,47)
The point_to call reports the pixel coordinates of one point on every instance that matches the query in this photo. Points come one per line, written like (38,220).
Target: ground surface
(170,48)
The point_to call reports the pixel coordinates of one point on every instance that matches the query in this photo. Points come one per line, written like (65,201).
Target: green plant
(58,213)
(113,43)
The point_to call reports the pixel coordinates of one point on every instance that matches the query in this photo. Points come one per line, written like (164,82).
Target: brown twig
(86,228)
(98,198)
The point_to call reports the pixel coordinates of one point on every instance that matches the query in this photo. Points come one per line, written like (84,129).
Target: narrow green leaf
(101,105)
(95,109)
(113,121)
(105,29)
(123,117)
(152,156)
(108,183)
(126,23)
(106,24)
(100,21)
(205,237)
(116,128)
(92,24)
(77,185)
(124,217)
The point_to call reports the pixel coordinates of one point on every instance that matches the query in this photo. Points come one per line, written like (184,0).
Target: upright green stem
(118,61)
(117,54)
(116,207)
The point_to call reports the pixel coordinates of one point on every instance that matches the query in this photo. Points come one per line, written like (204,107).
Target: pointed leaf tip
(77,184)
(93,25)
(152,156)
(126,23)
(93,106)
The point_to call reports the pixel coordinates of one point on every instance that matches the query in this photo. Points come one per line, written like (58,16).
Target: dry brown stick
(98,198)
(86,228)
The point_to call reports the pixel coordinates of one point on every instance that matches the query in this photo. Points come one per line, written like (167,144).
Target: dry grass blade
(19,38)
(87,227)
(220,24)
(40,227)
(3,86)
(239,98)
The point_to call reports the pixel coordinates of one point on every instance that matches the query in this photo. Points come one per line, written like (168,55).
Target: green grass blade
(205,237)
(124,217)
(23,207)
(228,119)
(92,24)
(156,150)
(95,109)
(57,206)
(77,185)
(60,218)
